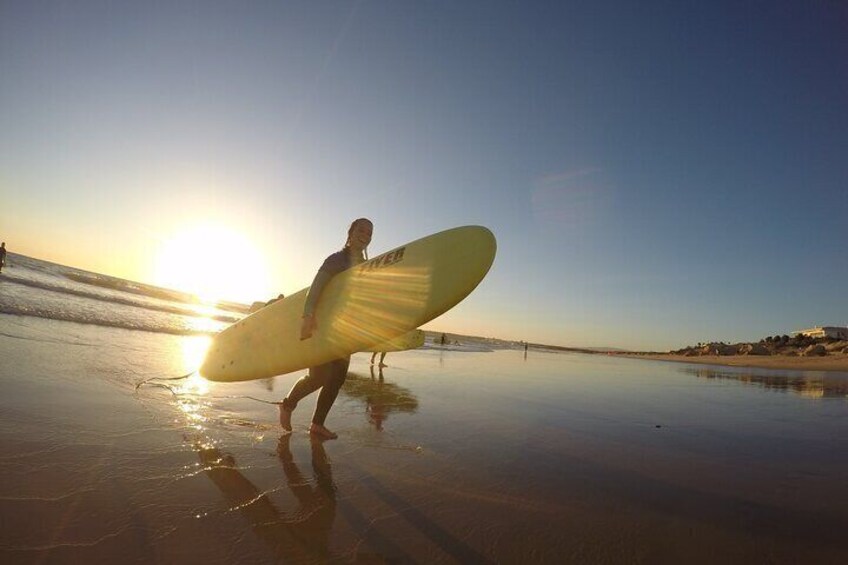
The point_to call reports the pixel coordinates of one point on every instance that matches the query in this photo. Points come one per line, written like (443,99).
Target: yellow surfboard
(409,340)
(365,306)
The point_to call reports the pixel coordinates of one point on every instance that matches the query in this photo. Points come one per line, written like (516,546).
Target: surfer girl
(330,376)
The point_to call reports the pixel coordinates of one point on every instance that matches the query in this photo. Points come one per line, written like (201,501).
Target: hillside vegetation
(796,346)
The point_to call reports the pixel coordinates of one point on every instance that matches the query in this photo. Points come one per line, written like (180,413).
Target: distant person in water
(2,255)
(330,376)
(279,297)
(442,339)
(382,357)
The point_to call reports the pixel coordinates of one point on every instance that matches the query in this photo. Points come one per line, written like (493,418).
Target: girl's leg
(334,378)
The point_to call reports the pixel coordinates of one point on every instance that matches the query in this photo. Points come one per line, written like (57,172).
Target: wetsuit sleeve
(318,284)
(333,265)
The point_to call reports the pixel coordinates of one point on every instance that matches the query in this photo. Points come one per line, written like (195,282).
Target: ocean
(471,453)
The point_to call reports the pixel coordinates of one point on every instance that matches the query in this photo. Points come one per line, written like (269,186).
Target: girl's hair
(357,221)
(353,227)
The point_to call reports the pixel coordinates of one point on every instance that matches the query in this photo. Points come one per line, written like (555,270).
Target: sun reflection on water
(205,321)
(195,385)
(192,390)
(193,413)
(194,349)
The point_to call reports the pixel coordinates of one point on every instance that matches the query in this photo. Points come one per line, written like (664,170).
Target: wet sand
(449,457)
(838,362)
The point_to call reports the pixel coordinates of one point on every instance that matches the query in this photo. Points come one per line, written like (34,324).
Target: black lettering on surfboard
(384,260)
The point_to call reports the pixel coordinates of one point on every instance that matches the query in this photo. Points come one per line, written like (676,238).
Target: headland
(798,353)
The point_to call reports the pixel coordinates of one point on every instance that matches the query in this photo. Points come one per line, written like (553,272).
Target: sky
(657,174)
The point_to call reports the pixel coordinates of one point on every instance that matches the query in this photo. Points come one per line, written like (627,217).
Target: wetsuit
(329,376)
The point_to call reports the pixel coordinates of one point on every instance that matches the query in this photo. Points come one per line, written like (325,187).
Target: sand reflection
(809,385)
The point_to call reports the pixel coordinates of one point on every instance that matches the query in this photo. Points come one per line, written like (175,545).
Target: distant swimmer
(382,358)
(260,304)
(279,297)
(330,376)
(2,255)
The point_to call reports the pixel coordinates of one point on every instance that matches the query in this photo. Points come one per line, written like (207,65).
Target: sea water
(474,452)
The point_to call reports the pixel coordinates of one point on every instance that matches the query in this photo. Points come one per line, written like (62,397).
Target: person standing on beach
(2,255)
(330,376)
(382,357)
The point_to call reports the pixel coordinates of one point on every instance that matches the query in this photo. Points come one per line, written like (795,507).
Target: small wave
(78,319)
(127,286)
(130,287)
(116,299)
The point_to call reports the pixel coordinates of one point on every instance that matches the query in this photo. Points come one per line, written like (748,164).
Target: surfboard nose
(468,253)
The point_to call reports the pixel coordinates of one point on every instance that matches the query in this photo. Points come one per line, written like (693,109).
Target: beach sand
(450,457)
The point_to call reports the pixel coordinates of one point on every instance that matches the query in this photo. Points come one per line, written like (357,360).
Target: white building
(826,331)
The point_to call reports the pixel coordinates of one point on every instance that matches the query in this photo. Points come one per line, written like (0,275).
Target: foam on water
(45,290)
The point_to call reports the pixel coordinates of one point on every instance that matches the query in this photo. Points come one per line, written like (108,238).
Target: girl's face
(360,236)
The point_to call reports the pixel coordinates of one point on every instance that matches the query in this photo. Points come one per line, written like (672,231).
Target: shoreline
(829,363)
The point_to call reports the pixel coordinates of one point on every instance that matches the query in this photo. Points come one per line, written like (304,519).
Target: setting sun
(213,263)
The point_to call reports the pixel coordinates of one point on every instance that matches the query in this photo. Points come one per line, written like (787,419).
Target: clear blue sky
(656,173)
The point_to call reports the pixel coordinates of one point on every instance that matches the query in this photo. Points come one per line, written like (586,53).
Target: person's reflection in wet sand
(301,535)
(374,406)
(379,397)
(379,373)
(317,501)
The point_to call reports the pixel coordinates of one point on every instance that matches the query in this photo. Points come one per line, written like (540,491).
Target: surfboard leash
(150,382)
(147,381)
(277,402)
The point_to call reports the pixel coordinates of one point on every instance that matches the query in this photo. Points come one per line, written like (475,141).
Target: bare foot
(285,418)
(321,432)
(382,365)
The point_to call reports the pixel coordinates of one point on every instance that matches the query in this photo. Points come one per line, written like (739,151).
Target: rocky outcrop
(717,349)
(753,349)
(815,350)
(784,345)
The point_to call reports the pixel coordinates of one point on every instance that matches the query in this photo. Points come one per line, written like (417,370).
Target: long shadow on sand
(301,535)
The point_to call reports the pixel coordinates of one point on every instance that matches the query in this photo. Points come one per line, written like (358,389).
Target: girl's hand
(308,327)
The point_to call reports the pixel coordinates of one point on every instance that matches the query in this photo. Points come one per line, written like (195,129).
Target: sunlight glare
(214,263)
(194,350)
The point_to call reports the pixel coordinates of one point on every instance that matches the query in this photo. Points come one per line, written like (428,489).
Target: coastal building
(838,332)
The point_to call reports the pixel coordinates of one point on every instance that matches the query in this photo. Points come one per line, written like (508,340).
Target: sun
(214,263)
